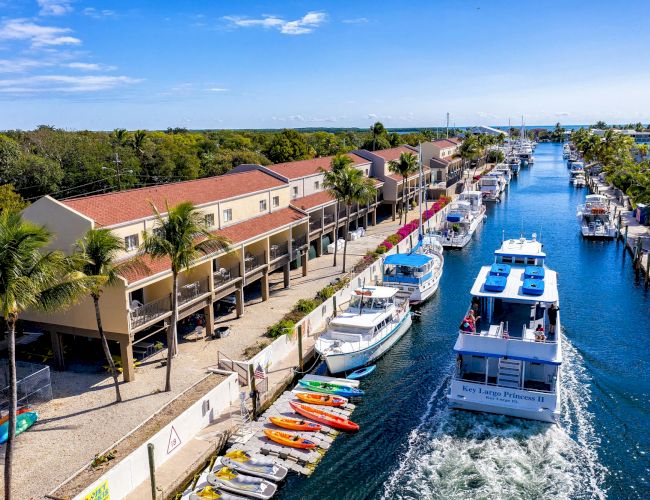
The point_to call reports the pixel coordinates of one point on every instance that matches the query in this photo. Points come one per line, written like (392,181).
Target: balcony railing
(191,291)
(315,224)
(252,262)
(150,311)
(223,276)
(328,219)
(279,250)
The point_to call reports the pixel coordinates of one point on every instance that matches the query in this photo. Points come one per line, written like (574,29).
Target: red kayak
(324,417)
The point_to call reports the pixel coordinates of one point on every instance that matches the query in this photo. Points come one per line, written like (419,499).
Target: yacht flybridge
(595,218)
(376,319)
(461,222)
(509,348)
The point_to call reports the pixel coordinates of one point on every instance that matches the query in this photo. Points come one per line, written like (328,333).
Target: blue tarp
(495,283)
(500,270)
(534,272)
(533,287)
(407,259)
(454,217)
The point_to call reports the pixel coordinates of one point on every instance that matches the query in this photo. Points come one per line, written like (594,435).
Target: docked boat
(265,468)
(376,318)
(415,275)
(462,220)
(595,218)
(579,180)
(566,150)
(490,188)
(504,170)
(331,388)
(514,163)
(289,439)
(294,424)
(231,480)
(509,350)
(207,492)
(324,417)
(321,399)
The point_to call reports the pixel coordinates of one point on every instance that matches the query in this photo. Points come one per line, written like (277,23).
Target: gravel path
(82,419)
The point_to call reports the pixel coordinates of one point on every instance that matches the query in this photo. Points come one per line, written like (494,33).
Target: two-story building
(446,166)
(252,209)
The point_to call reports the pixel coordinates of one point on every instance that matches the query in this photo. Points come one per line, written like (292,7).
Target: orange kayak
(289,439)
(324,417)
(321,399)
(294,424)
(18,412)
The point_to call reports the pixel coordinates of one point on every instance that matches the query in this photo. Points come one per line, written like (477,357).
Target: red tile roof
(400,179)
(394,153)
(313,200)
(236,233)
(303,168)
(114,208)
(445,143)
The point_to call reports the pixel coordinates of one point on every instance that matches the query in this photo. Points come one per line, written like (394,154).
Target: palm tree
(119,136)
(642,150)
(349,186)
(29,279)
(469,150)
(377,130)
(97,252)
(181,236)
(339,163)
(406,165)
(139,136)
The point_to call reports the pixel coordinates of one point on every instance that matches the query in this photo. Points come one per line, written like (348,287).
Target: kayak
(324,417)
(321,399)
(243,462)
(289,439)
(361,372)
(329,388)
(18,412)
(228,479)
(23,422)
(294,424)
(210,493)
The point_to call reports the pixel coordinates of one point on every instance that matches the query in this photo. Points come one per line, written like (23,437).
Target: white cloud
(562,113)
(89,66)
(372,116)
(36,34)
(217,89)
(21,65)
(306,24)
(98,14)
(54,7)
(63,84)
(357,20)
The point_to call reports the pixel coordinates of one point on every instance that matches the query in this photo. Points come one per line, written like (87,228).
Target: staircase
(509,374)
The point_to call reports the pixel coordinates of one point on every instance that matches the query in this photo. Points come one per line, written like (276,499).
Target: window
(295,192)
(262,205)
(131,242)
(227,215)
(367,172)
(276,201)
(209,220)
(316,185)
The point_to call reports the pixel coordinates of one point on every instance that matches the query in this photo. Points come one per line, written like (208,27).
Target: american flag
(259,372)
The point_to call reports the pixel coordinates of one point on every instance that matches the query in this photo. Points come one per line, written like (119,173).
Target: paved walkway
(82,419)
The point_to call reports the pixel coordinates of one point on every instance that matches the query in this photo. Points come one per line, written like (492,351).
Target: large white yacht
(416,275)
(461,222)
(508,359)
(595,218)
(490,187)
(375,319)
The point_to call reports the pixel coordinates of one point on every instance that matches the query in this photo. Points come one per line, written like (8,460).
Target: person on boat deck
(539,334)
(552,318)
(475,304)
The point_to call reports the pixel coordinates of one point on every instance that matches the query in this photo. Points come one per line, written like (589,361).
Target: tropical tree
(406,165)
(181,236)
(139,137)
(642,150)
(378,131)
(470,149)
(330,178)
(119,137)
(30,278)
(349,186)
(97,253)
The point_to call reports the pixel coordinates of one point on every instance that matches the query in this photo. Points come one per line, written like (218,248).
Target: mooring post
(152,471)
(251,381)
(625,239)
(334,303)
(647,269)
(300,360)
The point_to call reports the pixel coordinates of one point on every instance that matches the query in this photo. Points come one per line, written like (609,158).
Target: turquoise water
(412,446)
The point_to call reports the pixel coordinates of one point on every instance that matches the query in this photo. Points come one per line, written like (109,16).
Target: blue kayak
(330,388)
(23,422)
(362,372)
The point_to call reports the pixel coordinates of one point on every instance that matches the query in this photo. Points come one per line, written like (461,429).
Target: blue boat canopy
(533,286)
(500,270)
(495,283)
(534,272)
(454,217)
(407,259)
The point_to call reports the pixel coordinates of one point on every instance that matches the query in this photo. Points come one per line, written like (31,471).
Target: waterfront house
(251,208)
(445,164)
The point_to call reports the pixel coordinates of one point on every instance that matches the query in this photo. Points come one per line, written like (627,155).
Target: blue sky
(82,64)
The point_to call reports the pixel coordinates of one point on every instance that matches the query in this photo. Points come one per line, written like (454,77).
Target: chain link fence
(34,384)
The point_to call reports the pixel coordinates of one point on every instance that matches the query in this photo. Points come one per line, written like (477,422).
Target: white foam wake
(455,454)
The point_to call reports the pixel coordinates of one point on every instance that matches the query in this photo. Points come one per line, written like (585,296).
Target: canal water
(412,446)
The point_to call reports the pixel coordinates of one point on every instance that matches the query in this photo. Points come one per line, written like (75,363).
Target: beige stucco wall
(66,225)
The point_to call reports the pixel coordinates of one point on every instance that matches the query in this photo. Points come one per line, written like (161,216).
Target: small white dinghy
(243,462)
(231,480)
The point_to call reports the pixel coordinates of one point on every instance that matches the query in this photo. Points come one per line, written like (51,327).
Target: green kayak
(330,388)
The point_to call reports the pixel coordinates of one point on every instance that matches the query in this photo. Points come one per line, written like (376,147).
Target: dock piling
(300,358)
(152,471)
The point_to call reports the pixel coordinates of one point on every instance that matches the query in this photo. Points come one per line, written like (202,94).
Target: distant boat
(595,218)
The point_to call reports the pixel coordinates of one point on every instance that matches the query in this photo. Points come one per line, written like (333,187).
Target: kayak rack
(302,461)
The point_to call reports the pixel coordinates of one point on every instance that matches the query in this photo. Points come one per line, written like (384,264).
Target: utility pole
(118,162)
(447,125)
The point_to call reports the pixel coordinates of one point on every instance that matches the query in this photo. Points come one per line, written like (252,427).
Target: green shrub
(381,249)
(393,238)
(326,293)
(305,306)
(282,327)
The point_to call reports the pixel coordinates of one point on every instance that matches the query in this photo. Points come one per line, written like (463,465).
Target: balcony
(279,250)
(315,225)
(223,276)
(187,293)
(150,311)
(328,219)
(252,262)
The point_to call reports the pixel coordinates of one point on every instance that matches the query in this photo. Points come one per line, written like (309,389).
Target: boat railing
(458,376)
(500,334)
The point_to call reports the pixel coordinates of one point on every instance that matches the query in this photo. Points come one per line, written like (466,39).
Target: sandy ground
(82,419)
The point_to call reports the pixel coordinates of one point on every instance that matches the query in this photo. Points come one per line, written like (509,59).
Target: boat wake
(457,454)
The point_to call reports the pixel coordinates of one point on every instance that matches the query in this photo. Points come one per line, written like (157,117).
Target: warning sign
(174,441)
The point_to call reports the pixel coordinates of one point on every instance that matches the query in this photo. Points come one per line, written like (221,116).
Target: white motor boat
(376,318)
(508,355)
(579,181)
(416,275)
(463,217)
(490,188)
(595,218)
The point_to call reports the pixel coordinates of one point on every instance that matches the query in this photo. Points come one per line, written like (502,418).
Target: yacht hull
(337,363)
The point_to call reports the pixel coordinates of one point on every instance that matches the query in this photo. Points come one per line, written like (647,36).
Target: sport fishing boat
(490,188)
(463,218)
(579,180)
(577,169)
(504,170)
(566,150)
(514,163)
(509,350)
(595,218)
(375,320)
